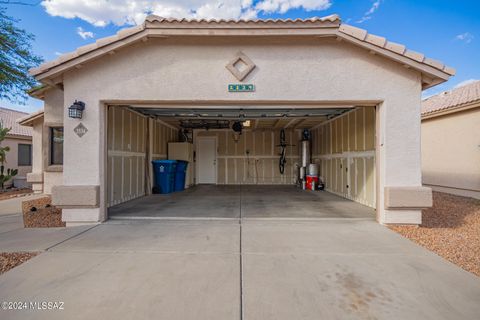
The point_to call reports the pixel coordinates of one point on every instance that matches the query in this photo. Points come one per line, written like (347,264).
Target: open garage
(229,89)
(237,173)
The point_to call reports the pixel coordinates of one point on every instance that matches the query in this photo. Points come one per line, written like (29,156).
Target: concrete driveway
(243,269)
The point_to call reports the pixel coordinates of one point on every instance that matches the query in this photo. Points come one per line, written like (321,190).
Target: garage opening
(235,161)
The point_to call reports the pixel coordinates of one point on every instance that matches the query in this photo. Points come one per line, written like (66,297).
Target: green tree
(16,58)
(9,173)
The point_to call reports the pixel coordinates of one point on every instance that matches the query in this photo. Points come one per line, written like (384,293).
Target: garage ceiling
(259,118)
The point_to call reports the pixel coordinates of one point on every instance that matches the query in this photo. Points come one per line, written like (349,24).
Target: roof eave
(433,72)
(432,75)
(31,118)
(78,60)
(450,110)
(38,92)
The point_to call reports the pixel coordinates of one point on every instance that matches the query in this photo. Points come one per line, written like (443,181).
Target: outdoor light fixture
(76,109)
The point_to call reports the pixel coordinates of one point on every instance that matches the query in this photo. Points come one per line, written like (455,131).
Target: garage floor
(247,201)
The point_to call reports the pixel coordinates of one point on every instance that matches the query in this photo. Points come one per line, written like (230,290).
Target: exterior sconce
(76,109)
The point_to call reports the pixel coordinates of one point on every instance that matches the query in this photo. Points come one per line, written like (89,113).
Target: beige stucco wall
(194,69)
(345,150)
(36,176)
(54,106)
(12,155)
(451,153)
(260,166)
(54,111)
(42,176)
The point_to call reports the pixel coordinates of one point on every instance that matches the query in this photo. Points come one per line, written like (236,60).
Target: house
(451,141)
(19,139)
(112,106)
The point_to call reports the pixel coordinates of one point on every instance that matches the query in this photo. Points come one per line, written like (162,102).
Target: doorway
(206,152)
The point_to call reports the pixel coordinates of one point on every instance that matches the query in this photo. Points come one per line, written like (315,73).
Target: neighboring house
(19,139)
(451,141)
(358,93)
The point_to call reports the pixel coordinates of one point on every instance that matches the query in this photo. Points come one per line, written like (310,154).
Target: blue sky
(448,31)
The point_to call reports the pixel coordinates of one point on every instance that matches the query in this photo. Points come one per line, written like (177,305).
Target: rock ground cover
(39,213)
(13,193)
(451,228)
(9,260)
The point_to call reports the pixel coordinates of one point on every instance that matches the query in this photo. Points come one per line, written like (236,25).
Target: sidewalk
(14,205)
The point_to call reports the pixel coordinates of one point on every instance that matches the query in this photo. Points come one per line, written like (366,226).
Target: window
(56,146)
(24,154)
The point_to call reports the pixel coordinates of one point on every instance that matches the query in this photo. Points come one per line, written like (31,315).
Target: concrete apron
(329,269)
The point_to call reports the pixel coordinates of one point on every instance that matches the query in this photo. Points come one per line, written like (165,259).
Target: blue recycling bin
(164,172)
(180,173)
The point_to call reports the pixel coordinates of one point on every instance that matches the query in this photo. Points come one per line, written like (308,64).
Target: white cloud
(120,12)
(282,6)
(84,34)
(466,82)
(371,11)
(466,37)
(58,53)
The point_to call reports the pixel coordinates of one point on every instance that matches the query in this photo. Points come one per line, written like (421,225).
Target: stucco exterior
(43,175)
(451,152)
(305,71)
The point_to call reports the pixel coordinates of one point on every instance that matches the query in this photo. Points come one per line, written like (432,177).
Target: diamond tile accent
(80,130)
(233,66)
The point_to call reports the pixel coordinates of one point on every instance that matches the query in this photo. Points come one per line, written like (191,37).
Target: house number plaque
(80,130)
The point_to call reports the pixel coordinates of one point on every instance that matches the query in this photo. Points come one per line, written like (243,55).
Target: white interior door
(207,160)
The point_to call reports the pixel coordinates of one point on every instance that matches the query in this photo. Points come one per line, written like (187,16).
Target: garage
(121,101)
(236,173)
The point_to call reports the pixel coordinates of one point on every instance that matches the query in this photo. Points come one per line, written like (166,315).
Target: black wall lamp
(76,109)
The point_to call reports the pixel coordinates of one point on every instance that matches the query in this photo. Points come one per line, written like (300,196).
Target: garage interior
(244,179)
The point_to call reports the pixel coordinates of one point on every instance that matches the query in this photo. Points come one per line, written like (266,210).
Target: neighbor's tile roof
(451,99)
(9,119)
(332,22)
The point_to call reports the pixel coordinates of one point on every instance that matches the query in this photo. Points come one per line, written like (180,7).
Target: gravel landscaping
(39,213)
(14,193)
(451,228)
(9,260)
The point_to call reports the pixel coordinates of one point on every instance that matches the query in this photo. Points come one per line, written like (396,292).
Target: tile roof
(332,22)
(9,119)
(330,18)
(400,49)
(451,99)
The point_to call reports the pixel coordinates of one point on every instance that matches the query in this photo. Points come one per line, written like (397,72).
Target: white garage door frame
(255,104)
